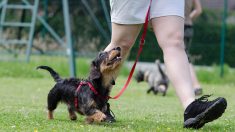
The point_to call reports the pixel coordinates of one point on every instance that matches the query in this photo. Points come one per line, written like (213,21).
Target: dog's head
(139,76)
(105,63)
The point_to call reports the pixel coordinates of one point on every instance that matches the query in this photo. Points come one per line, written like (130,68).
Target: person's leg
(123,36)
(188,33)
(195,81)
(169,32)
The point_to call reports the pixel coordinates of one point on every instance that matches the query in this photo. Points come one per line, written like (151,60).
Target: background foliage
(88,40)
(205,47)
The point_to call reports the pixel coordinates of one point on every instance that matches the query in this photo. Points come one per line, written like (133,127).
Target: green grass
(28,70)
(211,75)
(60,64)
(23,103)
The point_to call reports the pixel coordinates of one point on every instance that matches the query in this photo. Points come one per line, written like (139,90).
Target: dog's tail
(164,76)
(54,74)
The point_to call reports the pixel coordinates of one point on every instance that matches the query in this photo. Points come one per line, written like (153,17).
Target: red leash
(142,41)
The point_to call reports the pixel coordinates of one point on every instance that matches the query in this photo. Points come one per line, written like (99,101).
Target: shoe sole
(213,112)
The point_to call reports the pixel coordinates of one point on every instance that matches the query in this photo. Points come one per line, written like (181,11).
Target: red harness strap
(76,95)
(142,41)
(96,92)
(92,89)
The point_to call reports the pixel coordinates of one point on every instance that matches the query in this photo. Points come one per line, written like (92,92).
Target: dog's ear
(94,73)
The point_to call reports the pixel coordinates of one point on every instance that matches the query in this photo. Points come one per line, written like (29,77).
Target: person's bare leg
(195,81)
(169,32)
(123,36)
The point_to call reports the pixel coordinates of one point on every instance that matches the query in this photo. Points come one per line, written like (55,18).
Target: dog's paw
(97,117)
(89,120)
(73,117)
(50,115)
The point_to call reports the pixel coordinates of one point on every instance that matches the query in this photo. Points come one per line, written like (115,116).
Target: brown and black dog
(89,96)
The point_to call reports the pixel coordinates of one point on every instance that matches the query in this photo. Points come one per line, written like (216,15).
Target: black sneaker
(110,117)
(202,111)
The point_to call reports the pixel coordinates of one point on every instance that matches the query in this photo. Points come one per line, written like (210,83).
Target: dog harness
(92,89)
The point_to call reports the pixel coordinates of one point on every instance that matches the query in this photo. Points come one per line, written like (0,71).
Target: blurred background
(33,30)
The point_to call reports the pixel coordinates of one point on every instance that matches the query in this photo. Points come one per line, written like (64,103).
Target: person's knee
(172,41)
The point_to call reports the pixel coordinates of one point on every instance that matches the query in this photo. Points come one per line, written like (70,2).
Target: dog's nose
(118,48)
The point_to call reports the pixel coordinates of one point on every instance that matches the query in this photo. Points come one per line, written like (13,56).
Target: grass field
(23,103)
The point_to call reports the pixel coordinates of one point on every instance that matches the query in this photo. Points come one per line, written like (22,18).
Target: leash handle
(142,41)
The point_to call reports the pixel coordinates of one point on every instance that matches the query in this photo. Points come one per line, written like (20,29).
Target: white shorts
(134,11)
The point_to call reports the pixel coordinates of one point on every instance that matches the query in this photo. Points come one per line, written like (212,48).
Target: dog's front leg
(50,115)
(72,114)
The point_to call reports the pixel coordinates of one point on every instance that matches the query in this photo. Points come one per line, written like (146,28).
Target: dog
(157,80)
(89,96)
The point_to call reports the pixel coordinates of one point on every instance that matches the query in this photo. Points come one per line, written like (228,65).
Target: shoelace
(111,113)
(204,98)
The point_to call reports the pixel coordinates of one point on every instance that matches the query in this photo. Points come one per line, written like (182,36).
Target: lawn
(23,104)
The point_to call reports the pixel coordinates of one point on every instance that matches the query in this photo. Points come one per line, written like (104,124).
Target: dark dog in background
(157,80)
(88,97)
